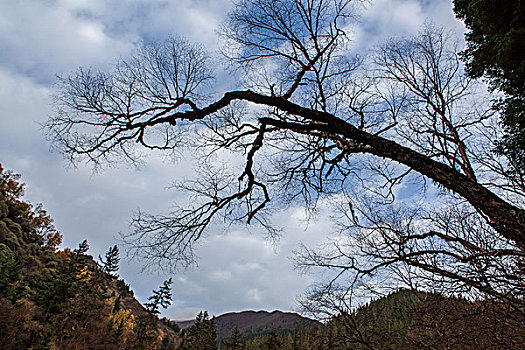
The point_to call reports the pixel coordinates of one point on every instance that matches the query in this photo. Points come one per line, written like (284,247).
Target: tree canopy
(201,335)
(495,52)
(110,262)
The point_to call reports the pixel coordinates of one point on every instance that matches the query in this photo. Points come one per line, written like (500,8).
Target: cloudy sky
(39,39)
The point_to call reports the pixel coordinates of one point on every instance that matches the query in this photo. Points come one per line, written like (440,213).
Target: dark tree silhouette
(352,131)
(496,52)
(160,298)
(235,342)
(202,335)
(110,262)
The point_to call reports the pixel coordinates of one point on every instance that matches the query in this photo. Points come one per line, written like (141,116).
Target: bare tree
(332,127)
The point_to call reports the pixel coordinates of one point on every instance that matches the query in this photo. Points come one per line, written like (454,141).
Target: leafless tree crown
(353,131)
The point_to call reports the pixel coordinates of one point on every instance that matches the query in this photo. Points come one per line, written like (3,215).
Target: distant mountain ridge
(251,323)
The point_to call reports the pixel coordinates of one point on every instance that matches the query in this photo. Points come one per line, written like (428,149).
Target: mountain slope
(252,323)
(408,319)
(62,299)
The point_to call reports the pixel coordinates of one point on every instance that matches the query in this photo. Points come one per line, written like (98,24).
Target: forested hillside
(403,320)
(63,299)
(419,320)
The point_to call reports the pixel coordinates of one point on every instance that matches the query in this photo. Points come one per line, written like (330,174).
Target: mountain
(254,323)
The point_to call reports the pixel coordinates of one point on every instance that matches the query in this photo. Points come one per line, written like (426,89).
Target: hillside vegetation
(410,319)
(405,319)
(64,299)
(61,299)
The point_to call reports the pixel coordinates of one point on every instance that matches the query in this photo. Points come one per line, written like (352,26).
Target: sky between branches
(42,38)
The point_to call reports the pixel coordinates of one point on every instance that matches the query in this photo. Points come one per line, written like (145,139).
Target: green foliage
(495,50)
(110,264)
(202,335)
(408,320)
(145,329)
(160,297)
(235,342)
(273,342)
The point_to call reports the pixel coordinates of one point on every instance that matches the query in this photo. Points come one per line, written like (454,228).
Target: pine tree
(146,325)
(161,297)
(82,249)
(110,264)
(58,299)
(273,342)
(202,335)
(235,342)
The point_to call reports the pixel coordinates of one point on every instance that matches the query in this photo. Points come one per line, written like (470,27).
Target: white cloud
(383,19)
(41,39)
(237,270)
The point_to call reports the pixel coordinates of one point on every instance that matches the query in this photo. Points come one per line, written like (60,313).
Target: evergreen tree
(235,342)
(273,342)
(53,299)
(495,51)
(202,335)
(110,264)
(160,297)
(82,249)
